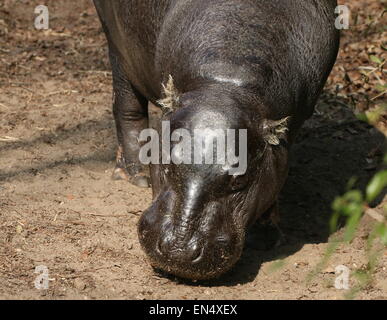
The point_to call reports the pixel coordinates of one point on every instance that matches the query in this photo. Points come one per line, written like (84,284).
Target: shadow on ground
(77,133)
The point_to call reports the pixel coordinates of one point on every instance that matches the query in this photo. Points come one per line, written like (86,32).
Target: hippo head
(196,226)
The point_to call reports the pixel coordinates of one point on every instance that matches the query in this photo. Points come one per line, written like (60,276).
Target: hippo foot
(135,174)
(120,174)
(140,180)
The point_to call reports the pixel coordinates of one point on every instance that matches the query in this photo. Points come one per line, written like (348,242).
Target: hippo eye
(238,183)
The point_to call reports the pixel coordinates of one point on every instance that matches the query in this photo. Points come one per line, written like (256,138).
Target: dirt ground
(59,208)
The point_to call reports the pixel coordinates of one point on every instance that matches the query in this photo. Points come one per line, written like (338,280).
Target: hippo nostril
(189,254)
(198,256)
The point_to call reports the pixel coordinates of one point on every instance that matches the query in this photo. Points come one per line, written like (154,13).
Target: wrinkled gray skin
(237,64)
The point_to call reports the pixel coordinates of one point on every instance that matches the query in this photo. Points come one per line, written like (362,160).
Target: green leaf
(354,196)
(334,222)
(376,186)
(338,204)
(362,117)
(382,231)
(375,59)
(373,116)
(381,88)
(352,224)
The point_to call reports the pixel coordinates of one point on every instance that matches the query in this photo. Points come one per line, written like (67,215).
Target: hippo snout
(172,251)
(199,248)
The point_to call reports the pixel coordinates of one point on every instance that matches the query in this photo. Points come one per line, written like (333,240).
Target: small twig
(379,95)
(371,69)
(9,139)
(106,215)
(380,80)
(104,73)
(136,213)
(77,223)
(61,92)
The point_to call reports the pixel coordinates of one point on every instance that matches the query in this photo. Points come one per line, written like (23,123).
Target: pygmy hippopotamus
(249,65)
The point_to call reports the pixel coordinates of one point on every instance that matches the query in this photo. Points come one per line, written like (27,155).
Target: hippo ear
(275,130)
(170,102)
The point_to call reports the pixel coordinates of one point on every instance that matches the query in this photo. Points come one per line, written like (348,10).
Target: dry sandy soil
(59,207)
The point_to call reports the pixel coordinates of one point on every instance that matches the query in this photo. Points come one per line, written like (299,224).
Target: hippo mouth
(201,248)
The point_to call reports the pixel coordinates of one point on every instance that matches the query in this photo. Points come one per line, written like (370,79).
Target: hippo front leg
(130,113)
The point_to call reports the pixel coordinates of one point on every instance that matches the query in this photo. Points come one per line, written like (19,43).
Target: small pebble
(79,284)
